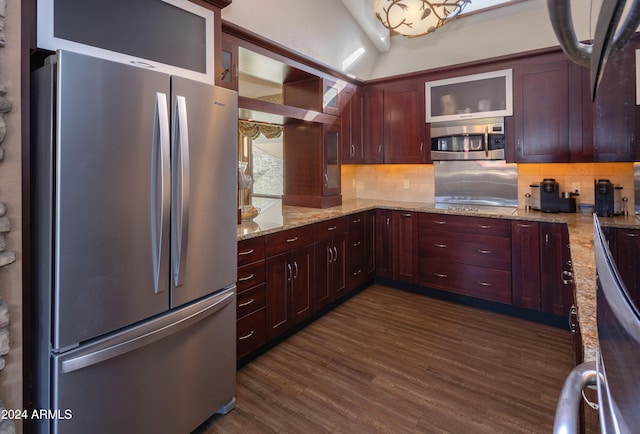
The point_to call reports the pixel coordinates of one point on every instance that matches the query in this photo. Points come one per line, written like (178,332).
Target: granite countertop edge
(580,227)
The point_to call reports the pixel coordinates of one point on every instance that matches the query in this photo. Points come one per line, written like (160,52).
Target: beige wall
(414,182)
(10,194)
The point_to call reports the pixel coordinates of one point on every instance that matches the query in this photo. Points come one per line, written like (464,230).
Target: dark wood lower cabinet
(384,243)
(289,295)
(466,255)
(541,267)
(330,269)
(525,264)
(287,277)
(556,284)
(624,244)
(405,246)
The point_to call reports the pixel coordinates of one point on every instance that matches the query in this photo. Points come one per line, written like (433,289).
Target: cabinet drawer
(356,221)
(251,250)
(465,224)
(329,228)
(251,333)
(290,239)
(479,250)
(250,275)
(479,282)
(251,300)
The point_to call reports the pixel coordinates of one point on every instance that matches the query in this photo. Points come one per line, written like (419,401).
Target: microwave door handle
(486,142)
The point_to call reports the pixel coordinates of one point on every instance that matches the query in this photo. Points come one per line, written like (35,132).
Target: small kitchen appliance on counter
(567,202)
(604,198)
(549,195)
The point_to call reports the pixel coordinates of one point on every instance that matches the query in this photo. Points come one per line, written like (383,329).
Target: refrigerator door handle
(181,174)
(159,191)
(190,318)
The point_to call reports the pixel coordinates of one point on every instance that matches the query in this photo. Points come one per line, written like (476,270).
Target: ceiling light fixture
(413,18)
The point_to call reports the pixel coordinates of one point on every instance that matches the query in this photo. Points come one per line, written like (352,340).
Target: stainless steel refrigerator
(134,248)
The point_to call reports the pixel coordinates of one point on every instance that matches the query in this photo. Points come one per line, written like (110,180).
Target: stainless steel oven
(470,139)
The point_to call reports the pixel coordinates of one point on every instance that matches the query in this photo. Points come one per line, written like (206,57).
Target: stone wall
(10,215)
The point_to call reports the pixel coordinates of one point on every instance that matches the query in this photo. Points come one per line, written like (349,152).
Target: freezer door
(111,187)
(166,376)
(204,186)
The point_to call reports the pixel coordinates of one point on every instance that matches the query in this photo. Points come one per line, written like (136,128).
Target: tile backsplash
(414,182)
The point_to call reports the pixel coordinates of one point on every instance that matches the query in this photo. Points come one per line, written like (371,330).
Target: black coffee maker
(549,195)
(605,198)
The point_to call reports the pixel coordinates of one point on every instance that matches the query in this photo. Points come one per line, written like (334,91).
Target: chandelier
(413,18)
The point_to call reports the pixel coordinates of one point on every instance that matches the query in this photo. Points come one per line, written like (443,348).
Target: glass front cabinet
(482,95)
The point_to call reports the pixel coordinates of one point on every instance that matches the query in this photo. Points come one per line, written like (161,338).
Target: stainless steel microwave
(473,139)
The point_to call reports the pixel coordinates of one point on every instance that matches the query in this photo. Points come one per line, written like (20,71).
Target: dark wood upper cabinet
(616,116)
(541,110)
(404,123)
(351,118)
(373,126)
(394,123)
(312,165)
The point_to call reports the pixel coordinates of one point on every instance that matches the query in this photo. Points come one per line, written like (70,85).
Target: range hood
(610,37)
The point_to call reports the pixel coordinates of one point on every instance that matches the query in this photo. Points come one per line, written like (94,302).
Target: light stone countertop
(580,228)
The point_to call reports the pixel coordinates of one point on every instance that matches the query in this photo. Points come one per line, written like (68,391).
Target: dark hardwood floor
(396,362)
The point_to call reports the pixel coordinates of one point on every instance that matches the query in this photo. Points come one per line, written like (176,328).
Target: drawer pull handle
(406,214)
(241,338)
(440,275)
(630,234)
(484,283)
(484,252)
(332,228)
(246,303)
(484,226)
(291,240)
(246,252)
(522,225)
(442,246)
(244,279)
(439,222)
(357,221)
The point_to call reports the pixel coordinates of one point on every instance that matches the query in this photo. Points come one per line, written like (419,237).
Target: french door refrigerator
(134,240)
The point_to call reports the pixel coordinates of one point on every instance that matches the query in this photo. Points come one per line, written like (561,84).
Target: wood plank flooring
(389,361)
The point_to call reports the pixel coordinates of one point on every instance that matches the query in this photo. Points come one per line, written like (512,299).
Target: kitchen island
(580,228)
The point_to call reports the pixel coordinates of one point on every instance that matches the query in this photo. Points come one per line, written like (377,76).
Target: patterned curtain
(253,130)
